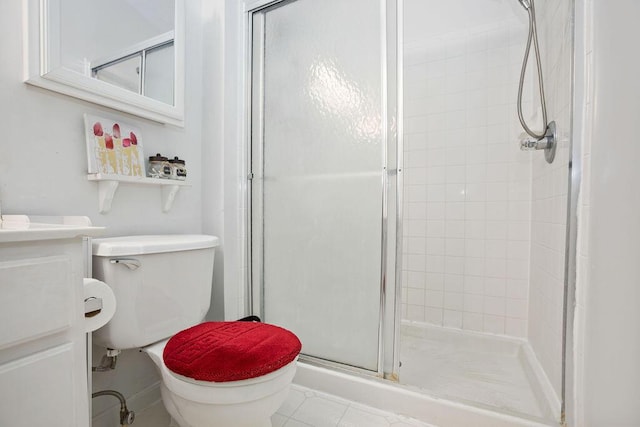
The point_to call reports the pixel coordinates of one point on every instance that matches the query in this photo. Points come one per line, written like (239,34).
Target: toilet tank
(162,285)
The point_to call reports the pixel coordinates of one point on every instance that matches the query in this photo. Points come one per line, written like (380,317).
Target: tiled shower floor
(486,371)
(305,407)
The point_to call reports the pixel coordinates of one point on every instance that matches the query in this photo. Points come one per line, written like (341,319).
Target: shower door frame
(391,175)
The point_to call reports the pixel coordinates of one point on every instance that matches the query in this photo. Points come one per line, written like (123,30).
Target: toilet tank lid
(140,245)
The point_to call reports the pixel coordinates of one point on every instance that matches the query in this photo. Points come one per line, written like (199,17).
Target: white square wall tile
(494,306)
(436,246)
(453,301)
(455,210)
(493,324)
(455,248)
(452,319)
(516,327)
(474,285)
(496,248)
(433,316)
(436,174)
(454,283)
(475,229)
(415,296)
(415,193)
(416,211)
(415,262)
(435,229)
(455,229)
(472,321)
(497,211)
(496,230)
(473,303)
(474,248)
(518,289)
(475,172)
(434,281)
(495,286)
(496,267)
(455,174)
(497,172)
(415,245)
(415,312)
(436,193)
(474,266)
(436,210)
(453,265)
(414,279)
(434,264)
(517,308)
(434,299)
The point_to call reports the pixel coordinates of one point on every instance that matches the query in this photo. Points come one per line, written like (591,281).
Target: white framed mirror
(123,54)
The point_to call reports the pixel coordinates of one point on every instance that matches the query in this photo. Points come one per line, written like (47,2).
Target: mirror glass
(122,42)
(123,54)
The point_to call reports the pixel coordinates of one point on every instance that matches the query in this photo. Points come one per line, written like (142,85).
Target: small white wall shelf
(108,184)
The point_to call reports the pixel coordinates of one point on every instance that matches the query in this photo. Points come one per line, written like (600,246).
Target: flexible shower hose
(533,35)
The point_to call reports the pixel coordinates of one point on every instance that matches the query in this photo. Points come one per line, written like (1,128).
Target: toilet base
(247,414)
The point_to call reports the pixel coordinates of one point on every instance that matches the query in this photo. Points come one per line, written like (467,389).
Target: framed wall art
(113,147)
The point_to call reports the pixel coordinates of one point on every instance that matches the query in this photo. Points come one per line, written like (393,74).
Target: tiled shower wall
(467,189)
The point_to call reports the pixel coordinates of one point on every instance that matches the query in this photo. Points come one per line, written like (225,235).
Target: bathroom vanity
(43,370)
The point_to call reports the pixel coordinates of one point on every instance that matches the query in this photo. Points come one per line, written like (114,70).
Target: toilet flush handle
(131,263)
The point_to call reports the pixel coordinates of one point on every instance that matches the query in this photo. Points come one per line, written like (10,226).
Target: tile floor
(305,407)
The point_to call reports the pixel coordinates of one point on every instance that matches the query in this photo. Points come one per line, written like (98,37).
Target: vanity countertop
(20,228)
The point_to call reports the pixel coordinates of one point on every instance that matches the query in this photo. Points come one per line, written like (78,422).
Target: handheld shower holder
(548,143)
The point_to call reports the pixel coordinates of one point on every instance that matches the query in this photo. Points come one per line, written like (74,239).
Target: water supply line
(108,361)
(127,417)
(545,140)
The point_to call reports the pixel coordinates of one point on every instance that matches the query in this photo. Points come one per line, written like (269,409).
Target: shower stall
(395,224)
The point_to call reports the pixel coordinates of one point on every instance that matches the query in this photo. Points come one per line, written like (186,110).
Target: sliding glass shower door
(319,173)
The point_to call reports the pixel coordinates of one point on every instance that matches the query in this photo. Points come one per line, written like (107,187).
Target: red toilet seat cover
(230,351)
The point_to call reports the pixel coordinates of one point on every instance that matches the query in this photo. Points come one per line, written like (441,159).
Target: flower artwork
(113,148)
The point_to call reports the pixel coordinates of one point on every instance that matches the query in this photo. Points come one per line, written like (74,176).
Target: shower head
(526,4)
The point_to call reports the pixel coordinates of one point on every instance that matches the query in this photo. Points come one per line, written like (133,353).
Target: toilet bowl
(244,403)
(212,373)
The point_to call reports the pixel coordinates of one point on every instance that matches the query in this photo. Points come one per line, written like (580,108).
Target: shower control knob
(547,143)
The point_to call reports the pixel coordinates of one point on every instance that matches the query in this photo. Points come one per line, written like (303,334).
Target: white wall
(93,29)
(43,164)
(235,160)
(213,148)
(607,317)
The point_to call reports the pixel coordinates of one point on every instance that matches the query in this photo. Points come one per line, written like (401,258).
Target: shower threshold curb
(403,401)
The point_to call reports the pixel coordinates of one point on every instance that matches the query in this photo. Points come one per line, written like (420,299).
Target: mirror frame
(43,68)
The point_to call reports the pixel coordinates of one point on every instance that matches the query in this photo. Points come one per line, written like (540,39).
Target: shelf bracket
(168,195)
(106,191)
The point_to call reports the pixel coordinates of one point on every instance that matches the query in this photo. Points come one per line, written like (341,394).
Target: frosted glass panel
(322,158)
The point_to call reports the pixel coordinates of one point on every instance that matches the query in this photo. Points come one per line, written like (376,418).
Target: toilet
(212,373)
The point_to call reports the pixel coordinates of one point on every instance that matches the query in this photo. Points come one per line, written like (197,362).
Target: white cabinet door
(37,298)
(43,368)
(37,390)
